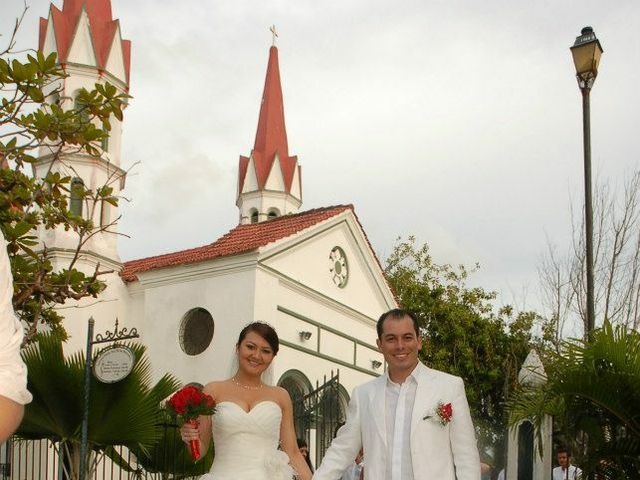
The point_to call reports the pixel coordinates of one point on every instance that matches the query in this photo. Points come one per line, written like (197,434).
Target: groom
(413,422)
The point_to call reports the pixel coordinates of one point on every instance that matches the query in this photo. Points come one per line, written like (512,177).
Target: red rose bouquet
(186,405)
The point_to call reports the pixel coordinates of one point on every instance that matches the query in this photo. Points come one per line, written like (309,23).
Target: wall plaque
(113,364)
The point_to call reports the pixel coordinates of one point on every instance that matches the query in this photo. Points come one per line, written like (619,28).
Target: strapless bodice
(246,443)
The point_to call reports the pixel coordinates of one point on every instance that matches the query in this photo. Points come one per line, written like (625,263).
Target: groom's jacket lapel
(426,398)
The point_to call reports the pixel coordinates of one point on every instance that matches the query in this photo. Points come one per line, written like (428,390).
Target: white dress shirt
(571,473)
(399,400)
(13,373)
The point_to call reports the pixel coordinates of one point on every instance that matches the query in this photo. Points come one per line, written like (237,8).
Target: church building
(312,274)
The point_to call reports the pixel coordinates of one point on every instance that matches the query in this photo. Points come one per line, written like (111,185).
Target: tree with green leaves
(593,393)
(35,123)
(464,335)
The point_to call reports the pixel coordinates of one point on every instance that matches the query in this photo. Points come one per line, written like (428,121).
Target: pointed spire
(102,26)
(271,135)
(277,175)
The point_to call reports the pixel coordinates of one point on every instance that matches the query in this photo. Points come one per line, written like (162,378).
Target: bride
(252,419)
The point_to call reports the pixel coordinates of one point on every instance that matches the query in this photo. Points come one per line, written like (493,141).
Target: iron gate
(40,460)
(319,414)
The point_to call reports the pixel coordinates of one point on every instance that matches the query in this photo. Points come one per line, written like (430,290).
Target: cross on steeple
(274,34)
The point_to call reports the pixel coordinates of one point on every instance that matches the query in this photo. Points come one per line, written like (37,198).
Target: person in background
(13,372)
(564,470)
(304,450)
(485,471)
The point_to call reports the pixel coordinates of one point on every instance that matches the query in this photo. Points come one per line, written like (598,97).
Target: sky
(457,121)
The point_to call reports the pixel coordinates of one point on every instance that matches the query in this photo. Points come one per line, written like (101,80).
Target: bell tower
(90,50)
(269,180)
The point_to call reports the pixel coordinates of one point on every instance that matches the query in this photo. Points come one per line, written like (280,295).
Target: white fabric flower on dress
(277,466)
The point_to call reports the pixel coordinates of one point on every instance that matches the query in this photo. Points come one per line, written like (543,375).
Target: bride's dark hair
(265,330)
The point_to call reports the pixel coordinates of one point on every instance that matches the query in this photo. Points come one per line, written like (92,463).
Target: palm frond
(123,413)
(594,387)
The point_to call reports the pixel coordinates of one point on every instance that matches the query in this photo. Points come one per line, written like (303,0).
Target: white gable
(82,50)
(250,180)
(115,61)
(305,261)
(295,184)
(49,38)
(275,180)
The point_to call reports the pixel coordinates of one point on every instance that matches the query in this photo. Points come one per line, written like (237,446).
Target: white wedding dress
(246,443)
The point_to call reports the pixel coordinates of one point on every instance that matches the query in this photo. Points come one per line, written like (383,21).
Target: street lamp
(586,53)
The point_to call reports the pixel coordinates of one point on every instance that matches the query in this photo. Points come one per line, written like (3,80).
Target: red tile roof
(102,27)
(271,135)
(241,239)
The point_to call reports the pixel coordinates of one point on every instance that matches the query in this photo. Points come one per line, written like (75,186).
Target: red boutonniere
(443,413)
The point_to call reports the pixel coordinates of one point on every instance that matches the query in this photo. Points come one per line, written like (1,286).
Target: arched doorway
(298,385)
(525,451)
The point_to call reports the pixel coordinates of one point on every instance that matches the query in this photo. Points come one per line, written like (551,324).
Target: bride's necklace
(246,387)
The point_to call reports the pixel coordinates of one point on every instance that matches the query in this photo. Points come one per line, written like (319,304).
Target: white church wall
(274,293)
(336,346)
(336,333)
(324,311)
(366,356)
(317,369)
(307,262)
(227,297)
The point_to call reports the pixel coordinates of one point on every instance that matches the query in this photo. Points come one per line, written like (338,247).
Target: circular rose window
(338,267)
(196,331)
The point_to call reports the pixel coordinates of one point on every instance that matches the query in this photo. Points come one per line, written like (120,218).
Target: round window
(196,331)
(338,267)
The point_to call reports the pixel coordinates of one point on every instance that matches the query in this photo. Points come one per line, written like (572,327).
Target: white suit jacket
(438,452)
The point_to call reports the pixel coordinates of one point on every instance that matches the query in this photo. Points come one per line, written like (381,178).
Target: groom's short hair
(397,313)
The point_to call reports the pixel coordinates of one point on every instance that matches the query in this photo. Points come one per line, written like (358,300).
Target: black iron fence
(319,414)
(317,417)
(46,460)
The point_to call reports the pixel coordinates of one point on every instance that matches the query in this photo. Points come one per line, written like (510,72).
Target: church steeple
(90,50)
(269,181)
(85,33)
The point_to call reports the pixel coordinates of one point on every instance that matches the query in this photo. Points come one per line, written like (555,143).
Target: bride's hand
(189,432)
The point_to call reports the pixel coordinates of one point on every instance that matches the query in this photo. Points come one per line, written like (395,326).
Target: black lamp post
(586,53)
